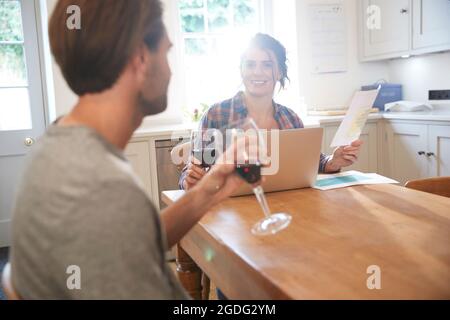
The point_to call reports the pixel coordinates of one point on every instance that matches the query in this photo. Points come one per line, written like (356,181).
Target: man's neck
(113,116)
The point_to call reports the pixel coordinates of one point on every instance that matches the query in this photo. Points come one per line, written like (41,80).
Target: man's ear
(140,63)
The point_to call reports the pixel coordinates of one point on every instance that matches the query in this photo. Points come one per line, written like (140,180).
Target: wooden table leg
(189,274)
(205,287)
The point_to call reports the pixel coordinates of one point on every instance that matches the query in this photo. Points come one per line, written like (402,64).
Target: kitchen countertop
(439,114)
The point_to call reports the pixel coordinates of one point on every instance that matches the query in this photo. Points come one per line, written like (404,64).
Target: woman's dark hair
(93,57)
(265,42)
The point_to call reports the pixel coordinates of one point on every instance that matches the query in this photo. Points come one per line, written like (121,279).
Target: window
(13,70)
(214,34)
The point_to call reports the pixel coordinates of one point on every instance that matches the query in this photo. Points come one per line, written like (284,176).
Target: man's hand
(194,173)
(220,181)
(344,156)
(216,185)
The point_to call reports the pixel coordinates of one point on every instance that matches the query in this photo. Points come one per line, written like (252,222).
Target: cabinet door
(431,23)
(368,160)
(404,142)
(139,156)
(439,146)
(394,32)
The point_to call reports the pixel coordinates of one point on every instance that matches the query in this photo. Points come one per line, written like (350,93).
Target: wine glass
(204,144)
(251,156)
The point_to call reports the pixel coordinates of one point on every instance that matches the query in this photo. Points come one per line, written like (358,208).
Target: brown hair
(93,57)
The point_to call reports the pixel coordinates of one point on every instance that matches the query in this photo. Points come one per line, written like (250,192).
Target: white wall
(333,89)
(65,99)
(284,28)
(420,74)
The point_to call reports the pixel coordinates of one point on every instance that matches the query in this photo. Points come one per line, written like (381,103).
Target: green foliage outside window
(12,63)
(218,14)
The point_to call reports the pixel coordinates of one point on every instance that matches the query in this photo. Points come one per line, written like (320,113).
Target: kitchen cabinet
(406,145)
(368,156)
(392,35)
(417,150)
(138,153)
(403,27)
(431,23)
(439,150)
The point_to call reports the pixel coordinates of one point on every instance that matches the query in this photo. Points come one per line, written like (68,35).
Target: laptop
(298,161)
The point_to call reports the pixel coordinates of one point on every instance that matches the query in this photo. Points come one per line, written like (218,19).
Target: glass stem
(259,193)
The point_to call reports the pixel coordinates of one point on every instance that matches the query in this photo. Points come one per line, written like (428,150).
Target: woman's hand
(194,173)
(221,180)
(344,156)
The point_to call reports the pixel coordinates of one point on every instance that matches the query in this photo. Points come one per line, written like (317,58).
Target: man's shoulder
(65,157)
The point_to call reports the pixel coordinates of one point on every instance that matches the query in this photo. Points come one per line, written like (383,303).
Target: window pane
(217,5)
(10,21)
(195,47)
(245,12)
(12,65)
(192,22)
(14,109)
(218,15)
(190,4)
(218,23)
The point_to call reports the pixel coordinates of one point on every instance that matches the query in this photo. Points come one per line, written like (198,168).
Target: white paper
(355,118)
(349,178)
(328,34)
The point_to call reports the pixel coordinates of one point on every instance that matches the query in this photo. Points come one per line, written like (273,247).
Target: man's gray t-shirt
(79,204)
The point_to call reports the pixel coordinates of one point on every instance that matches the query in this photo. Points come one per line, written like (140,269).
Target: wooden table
(325,252)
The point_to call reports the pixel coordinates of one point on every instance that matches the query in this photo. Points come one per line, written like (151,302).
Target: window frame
(30,16)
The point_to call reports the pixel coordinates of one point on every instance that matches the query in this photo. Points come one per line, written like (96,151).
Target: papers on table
(355,119)
(349,178)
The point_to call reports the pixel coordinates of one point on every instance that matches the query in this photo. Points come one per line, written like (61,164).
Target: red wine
(249,172)
(207,156)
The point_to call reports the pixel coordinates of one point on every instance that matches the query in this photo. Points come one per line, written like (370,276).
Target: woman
(263,64)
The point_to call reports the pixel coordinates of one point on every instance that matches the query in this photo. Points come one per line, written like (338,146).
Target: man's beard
(154,106)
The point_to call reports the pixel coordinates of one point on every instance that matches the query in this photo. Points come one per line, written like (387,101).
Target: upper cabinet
(391,29)
(386,27)
(431,23)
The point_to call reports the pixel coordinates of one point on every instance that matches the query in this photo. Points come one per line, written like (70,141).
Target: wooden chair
(8,288)
(439,185)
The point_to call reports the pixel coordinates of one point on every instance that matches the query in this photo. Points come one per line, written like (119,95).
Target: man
(80,211)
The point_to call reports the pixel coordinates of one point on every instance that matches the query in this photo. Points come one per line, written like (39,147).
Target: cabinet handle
(403,11)
(429,154)
(421,153)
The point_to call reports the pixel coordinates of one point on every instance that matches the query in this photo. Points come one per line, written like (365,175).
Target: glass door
(22,116)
